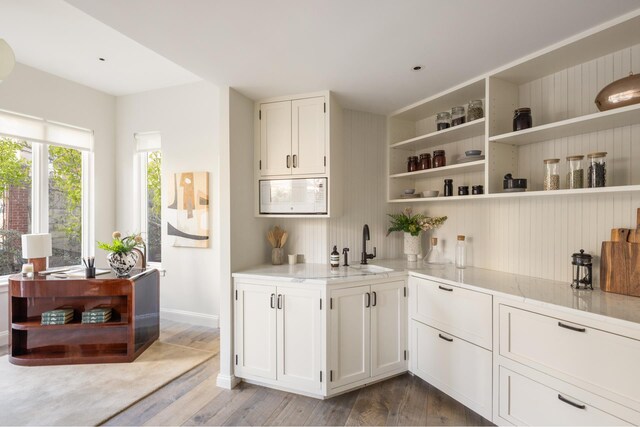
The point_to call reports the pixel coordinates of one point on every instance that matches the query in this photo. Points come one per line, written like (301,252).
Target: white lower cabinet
(278,335)
(367,332)
(458,368)
(527,401)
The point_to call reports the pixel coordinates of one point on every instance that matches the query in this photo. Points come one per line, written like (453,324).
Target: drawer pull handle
(445,338)
(375,299)
(280,302)
(446,289)
(273,300)
(573,328)
(568,402)
(367,302)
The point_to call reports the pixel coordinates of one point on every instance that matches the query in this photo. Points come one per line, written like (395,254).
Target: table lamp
(36,248)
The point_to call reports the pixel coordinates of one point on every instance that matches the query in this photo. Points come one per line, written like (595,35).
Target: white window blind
(147,141)
(34,129)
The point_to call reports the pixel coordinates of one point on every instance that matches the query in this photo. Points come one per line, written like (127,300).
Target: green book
(45,317)
(54,322)
(96,317)
(95,320)
(99,310)
(58,312)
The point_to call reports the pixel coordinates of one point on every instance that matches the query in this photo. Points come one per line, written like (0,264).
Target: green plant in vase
(412,225)
(123,252)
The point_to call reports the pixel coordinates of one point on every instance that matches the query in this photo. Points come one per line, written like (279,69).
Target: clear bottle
(551,174)
(443,120)
(575,172)
(597,174)
(461,253)
(457,116)
(434,256)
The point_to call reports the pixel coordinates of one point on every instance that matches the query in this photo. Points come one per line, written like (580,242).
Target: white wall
(187,117)
(33,92)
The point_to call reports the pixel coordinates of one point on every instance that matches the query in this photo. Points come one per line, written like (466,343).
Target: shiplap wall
(364,147)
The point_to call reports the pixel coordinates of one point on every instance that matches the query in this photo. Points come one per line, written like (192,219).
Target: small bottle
(335,258)
(434,256)
(448,187)
(461,253)
(551,175)
(597,173)
(575,174)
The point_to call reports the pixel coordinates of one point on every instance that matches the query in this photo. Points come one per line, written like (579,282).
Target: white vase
(412,247)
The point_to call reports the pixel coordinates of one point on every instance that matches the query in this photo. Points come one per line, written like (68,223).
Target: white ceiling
(55,37)
(361,49)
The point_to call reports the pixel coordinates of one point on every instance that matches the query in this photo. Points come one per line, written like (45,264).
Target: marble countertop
(540,292)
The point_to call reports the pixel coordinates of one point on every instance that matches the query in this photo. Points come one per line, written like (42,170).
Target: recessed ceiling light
(417,68)
(101,59)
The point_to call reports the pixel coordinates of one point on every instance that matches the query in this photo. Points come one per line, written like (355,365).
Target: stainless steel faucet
(365,237)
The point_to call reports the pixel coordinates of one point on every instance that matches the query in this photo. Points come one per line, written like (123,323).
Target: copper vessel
(622,92)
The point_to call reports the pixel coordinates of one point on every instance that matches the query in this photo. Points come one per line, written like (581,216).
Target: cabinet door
(309,138)
(255,331)
(275,139)
(350,336)
(388,327)
(299,338)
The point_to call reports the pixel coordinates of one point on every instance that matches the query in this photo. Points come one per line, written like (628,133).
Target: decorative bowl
(409,191)
(473,152)
(430,193)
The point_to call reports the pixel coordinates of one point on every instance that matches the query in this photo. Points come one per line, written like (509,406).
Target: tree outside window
(154,206)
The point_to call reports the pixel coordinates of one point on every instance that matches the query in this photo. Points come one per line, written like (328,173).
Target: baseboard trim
(4,337)
(227,381)
(200,319)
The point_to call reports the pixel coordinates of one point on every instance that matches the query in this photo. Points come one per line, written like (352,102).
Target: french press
(582,269)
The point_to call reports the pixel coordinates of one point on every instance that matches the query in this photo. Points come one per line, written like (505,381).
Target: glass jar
(522,119)
(425,161)
(457,116)
(439,159)
(597,174)
(461,252)
(448,187)
(551,174)
(463,190)
(435,256)
(474,110)
(412,164)
(575,172)
(477,189)
(443,120)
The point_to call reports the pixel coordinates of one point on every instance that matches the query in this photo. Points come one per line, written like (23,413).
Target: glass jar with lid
(439,159)
(522,119)
(412,164)
(597,173)
(551,174)
(443,120)
(457,116)
(425,161)
(575,172)
(474,110)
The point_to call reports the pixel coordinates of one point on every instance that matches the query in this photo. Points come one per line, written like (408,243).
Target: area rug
(88,394)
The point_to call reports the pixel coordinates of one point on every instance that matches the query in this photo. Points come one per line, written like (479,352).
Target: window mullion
(40,189)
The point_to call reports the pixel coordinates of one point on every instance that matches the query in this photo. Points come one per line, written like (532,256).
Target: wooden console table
(134,324)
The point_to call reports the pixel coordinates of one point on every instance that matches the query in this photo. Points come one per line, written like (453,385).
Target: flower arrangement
(414,224)
(122,245)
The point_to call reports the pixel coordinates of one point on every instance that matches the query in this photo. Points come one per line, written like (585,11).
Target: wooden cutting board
(634,235)
(620,261)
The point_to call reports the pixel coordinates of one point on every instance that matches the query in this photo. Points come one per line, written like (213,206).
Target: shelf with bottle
(594,122)
(445,136)
(467,167)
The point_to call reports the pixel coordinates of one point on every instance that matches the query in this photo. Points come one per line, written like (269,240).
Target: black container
(477,189)
(514,184)
(448,187)
(522,119)
(582,270)
(90,272)
(463,190)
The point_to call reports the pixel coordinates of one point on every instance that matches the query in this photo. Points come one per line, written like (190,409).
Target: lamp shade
(36,245)
(7,60)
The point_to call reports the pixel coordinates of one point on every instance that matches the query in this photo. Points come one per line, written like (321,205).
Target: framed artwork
(188,222)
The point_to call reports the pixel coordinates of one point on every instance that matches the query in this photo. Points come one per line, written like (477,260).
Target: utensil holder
(277,254)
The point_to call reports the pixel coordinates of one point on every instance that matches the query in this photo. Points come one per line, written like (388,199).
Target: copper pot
(622,92)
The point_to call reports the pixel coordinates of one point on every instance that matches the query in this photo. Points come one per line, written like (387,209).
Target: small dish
(409,196)
(409,191)
(473,153)
(430,193)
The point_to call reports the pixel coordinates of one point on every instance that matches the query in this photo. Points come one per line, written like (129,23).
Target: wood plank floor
(194,399)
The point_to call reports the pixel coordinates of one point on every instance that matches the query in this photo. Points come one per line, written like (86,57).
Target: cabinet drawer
(458,368)
(578,354)
(524,401)
(457,311)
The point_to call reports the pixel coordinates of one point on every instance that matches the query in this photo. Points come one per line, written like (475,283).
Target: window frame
(40,179)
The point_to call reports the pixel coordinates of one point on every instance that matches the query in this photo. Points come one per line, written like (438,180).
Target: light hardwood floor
(194,399)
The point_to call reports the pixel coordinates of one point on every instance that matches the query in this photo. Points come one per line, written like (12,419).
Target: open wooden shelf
(452,134)
(457,168)
(604,120)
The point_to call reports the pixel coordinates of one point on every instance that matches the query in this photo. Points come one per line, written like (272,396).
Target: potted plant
(412,226)
(122,257)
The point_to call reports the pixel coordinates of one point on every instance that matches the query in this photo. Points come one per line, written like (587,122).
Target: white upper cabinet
(293,137)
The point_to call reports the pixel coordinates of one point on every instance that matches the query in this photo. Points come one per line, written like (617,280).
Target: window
(149,184)
(45,175)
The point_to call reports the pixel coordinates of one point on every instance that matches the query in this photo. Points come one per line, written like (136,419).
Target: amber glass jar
(439,160)
(425,161)
(412,164)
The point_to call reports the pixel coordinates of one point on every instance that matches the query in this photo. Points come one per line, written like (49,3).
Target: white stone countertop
(540,292)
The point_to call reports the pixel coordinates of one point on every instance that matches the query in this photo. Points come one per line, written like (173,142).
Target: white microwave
(302,196)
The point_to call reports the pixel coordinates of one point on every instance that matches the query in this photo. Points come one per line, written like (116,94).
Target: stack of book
(97,315)
(59,316)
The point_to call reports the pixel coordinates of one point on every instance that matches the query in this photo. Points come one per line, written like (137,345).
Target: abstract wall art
(188,222)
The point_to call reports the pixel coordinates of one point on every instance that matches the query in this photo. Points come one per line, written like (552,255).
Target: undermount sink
(370,269)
